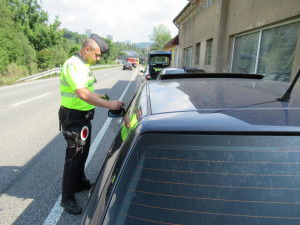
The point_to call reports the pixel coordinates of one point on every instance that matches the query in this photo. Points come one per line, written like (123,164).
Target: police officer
(78,101)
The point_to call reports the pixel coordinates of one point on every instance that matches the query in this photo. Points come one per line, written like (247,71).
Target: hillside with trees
(30,44)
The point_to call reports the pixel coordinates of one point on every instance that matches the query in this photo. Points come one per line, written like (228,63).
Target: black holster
(71,123)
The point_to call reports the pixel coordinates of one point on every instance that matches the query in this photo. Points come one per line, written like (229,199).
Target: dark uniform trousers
(73,121)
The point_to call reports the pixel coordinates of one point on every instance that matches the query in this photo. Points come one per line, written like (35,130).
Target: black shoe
(84,185)
(71,206)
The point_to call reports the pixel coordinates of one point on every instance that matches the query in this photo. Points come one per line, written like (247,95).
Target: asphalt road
(33,150)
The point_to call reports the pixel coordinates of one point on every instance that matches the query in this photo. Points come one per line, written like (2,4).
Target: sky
(132,20)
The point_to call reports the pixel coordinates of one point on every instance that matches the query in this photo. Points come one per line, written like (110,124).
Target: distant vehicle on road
(133,61)
(127,65)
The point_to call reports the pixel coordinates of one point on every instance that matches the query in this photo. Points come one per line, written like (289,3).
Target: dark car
(168,72)
(157,60)
(221,149)
(127,65)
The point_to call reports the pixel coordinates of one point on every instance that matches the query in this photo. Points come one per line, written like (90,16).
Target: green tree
(73,41)
(45,36)
(73,50)
(28,13)
(29,17)
(74,37)
(15,47)
(6,30)
(160,36)
(45,58)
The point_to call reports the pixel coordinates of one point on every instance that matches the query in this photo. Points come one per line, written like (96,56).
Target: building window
(245,52)
(197,53)
(208,53)
(188,57)
(269,51)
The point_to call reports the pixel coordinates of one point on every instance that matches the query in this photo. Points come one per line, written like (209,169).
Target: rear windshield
(163,60)
(209,180)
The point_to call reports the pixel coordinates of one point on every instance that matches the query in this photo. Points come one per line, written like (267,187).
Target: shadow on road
(39,181)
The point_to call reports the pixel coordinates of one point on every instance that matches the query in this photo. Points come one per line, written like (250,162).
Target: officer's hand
(116,104)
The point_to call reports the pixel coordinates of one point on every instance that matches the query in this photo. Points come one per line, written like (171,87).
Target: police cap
(102,44)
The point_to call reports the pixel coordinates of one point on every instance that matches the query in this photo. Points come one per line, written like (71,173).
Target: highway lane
(32,149)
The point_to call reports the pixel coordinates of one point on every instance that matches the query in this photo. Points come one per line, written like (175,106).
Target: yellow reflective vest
(75,74)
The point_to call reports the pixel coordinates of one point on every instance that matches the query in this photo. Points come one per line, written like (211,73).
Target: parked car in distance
(157,60)
(127,65)
(220,149)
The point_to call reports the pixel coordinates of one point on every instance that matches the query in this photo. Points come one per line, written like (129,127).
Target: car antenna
(287,95)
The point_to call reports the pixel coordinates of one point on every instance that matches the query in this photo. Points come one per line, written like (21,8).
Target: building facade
(247,36)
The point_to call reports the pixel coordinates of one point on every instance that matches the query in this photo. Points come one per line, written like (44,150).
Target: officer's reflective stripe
(69,95)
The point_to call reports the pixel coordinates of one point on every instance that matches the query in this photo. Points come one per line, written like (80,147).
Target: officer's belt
(78,112)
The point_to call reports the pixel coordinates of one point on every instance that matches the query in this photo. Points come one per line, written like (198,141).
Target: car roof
(199,106)
(174,72)
(234,102)
(160,52)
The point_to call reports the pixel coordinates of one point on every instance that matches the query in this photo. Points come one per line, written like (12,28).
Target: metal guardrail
(39,75)
(54,71)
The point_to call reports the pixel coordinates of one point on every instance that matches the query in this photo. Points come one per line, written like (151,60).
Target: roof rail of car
(160,52)
(211,75)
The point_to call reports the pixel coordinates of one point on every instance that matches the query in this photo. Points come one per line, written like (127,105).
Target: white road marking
(57,209)
(29,100)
